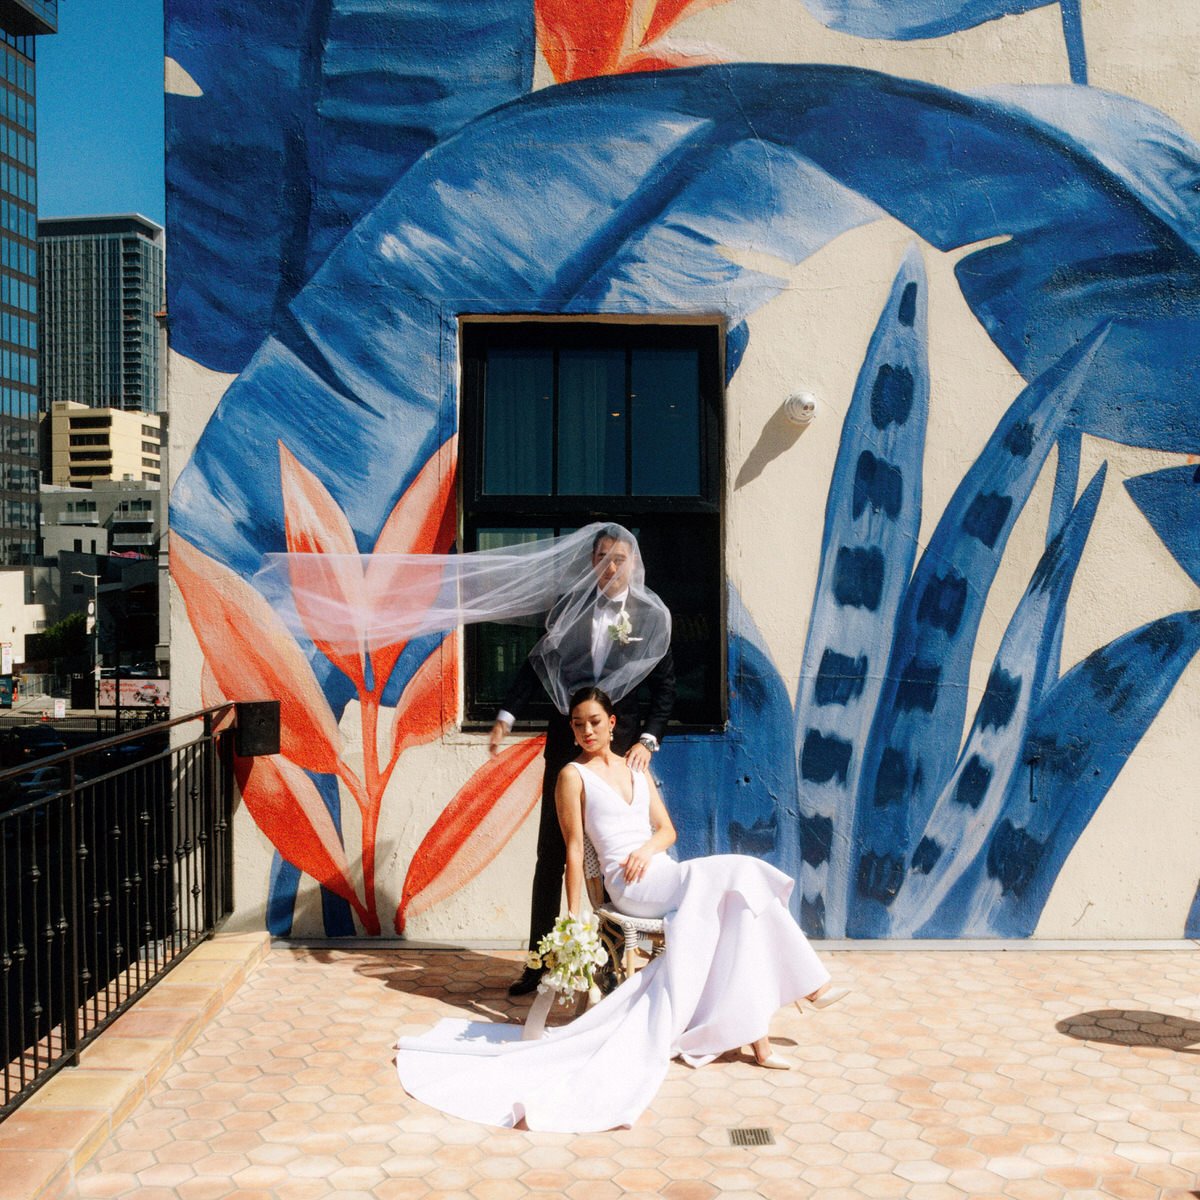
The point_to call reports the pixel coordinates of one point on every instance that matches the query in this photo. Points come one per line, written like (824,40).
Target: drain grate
(751,1136)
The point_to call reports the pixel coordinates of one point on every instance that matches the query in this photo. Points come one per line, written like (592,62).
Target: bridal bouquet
(569,955)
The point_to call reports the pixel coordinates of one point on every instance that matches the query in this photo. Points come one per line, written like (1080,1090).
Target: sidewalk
(947,1075)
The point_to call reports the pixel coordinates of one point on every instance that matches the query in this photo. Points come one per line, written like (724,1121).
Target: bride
(734,957)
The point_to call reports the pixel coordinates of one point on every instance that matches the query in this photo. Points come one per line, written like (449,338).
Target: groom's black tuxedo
(576,654)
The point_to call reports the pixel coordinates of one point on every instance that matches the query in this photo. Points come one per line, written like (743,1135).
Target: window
(565,423)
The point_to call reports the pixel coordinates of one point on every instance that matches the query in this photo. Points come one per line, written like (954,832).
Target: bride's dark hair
(591,693)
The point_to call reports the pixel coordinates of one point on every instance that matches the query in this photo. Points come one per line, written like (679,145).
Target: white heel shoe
(828,996)
(774,1062)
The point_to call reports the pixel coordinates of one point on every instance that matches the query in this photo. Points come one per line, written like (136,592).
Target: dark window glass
(591,423)
(518,438)
(566,423)
(665,393)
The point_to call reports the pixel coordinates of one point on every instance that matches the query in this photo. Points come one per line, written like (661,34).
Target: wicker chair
(621,935)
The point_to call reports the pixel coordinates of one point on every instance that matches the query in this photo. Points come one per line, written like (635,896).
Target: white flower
(620,629)
(571,952)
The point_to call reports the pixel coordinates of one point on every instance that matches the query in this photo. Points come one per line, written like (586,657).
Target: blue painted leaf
(1078,740)
(1170,501)
(904,20)
(909,755)
(733,794)
(872,522)
(1192,925)
(965,814)
(309,113)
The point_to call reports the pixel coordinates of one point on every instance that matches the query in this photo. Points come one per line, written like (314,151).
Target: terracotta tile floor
(947,1074)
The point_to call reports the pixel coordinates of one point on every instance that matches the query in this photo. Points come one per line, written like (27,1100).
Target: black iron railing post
(206,825)
(74,861)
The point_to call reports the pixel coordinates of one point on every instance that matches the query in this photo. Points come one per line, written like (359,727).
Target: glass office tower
(21,21)
(101,286)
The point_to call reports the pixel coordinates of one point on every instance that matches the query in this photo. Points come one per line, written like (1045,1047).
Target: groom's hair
(612,533)
(584,694)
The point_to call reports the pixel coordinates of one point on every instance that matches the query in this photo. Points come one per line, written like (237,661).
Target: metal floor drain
(751,1136)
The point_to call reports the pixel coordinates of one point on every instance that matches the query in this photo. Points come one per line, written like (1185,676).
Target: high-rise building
(101,284)
(21,21)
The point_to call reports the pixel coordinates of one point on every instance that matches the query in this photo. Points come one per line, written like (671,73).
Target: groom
(588,650)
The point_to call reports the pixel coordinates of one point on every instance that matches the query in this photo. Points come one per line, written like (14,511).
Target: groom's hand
(638,758)
(496,738)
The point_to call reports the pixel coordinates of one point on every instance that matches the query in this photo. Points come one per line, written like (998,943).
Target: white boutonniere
(621,630)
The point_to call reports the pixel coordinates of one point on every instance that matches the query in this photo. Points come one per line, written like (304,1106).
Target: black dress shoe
(528,982)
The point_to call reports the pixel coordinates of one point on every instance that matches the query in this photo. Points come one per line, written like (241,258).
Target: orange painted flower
(583,38)
(250,655)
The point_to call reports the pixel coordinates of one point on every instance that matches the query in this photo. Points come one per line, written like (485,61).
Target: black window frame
(686,517)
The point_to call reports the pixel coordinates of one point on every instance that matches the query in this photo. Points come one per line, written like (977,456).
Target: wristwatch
(650,742)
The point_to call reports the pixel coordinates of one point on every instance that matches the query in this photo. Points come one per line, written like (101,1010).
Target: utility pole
(93,628)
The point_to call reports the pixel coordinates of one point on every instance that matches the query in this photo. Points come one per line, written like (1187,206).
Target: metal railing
(116,863)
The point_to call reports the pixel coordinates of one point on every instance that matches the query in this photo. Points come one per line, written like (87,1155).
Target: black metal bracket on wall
(257,731)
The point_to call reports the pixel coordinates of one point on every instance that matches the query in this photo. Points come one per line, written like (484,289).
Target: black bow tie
(606,604)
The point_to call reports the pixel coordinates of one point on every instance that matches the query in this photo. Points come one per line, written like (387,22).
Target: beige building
(84,444)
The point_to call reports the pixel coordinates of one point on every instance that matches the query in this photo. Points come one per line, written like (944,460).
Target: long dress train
(734,957)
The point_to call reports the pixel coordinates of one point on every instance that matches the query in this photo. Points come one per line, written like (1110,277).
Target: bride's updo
(584,694)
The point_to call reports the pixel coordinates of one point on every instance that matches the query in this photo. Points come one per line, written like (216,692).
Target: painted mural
(348,178)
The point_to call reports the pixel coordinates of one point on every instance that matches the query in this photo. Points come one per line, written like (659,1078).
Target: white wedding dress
(734,957)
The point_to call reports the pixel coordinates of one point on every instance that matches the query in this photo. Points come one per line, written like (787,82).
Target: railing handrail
(63,756)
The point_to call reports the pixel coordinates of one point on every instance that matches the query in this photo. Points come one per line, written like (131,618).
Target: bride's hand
(635,865)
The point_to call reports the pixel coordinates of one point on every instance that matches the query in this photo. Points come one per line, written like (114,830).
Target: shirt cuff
(650,742)
(506,718)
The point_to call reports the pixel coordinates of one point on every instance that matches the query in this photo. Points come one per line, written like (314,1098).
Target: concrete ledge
(62,1125)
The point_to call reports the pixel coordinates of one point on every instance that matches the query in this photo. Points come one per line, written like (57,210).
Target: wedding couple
(734,953)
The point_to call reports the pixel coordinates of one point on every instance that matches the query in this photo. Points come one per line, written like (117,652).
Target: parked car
(28,743)
(41,781)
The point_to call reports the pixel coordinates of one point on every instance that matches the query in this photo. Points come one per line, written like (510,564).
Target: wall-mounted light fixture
(801,408)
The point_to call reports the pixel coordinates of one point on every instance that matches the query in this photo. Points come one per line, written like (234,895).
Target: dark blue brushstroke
(1170,501)
(824,758)
(840,678)
(892,780)
(926,855)
(878,484)
(879,878)
(892,396)
(999,699)
(942,602)
(917,688)
(973,782)
(987,517)
(310,112)
(816,839)
(858,577)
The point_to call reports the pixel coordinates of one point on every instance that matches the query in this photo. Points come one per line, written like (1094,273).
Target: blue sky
(100,105)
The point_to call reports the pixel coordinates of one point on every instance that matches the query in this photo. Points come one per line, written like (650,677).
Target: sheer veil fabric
(354,603)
